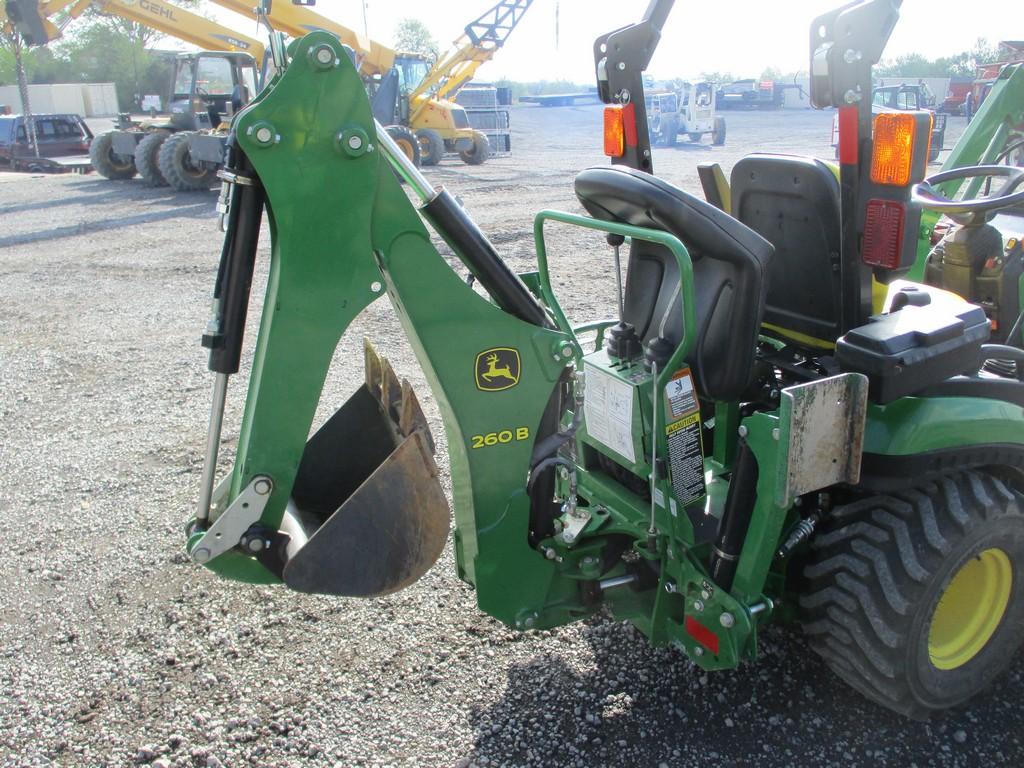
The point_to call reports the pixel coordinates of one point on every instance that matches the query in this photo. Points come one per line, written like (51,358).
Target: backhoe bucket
(367,514)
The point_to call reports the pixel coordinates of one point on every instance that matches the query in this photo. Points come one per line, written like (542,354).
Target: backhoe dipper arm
(620,59)
(357,509)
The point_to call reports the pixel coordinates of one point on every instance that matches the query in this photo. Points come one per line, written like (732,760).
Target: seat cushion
(730,262)
(793,202)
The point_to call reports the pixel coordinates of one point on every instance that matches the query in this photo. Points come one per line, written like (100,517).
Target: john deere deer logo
(497,369)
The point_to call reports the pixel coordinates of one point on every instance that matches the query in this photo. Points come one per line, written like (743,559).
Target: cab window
(183,79)
(213,76)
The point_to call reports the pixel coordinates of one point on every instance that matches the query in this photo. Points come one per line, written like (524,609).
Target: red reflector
(702,634)
(848,139)
(629,124)
(883,234)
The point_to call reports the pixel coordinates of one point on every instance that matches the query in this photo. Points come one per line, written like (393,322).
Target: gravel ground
(114,650)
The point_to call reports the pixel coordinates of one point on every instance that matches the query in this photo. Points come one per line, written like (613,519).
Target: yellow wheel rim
(970,609)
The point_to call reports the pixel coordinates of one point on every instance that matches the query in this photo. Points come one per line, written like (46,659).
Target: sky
(742,37)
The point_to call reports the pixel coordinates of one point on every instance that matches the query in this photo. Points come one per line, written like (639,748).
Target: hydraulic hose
(739,508)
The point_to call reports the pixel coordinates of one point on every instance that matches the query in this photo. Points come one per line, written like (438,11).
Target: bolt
(742,431)
(355,142)
(264,135)
(255,544)
(705,595)
(727,620)
(850,56)
(851,97)
(698,651)
(776,433)
(324,55)
(550,554)
(671,554)
(566,351)
(262,486)
(622,65)
(698,605)
(201,555)
(375,286)
(670,587)
(589,560)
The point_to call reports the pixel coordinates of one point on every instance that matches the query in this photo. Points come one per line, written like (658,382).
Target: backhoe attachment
(367,514)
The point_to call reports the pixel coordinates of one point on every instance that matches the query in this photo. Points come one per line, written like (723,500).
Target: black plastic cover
(914,348)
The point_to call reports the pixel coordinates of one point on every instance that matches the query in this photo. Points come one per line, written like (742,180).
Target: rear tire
(105,162)
(718,134)
(177,168)
(406,141)
(917,599)
(431,146)
(479,153)
(147,154)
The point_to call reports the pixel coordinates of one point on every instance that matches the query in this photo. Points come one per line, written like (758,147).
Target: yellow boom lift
(406,90)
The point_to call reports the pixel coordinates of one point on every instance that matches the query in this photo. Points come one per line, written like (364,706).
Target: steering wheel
(976,210)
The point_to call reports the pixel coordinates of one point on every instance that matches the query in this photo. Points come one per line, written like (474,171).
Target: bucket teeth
(397,397)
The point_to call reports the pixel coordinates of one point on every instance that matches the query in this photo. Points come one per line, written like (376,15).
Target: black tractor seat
(730,265)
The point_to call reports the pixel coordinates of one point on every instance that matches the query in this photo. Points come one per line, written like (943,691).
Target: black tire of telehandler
(479,153)
(876,573)
(147,154)
(178,171)
(718,135)
(406,141)
(431,146)
(105,162)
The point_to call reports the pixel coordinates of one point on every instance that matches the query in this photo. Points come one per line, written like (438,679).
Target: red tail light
(883,233)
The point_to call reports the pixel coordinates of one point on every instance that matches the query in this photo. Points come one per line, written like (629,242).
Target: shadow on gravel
(107,192)
(627,704)
(198,210)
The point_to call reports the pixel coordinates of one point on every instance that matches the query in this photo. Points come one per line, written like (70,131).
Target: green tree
(719,78)
(412,35)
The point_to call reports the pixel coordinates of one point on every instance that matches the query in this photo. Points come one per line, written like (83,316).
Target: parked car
(58,135)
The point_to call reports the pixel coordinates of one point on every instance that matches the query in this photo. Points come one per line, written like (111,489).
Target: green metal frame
(344,234)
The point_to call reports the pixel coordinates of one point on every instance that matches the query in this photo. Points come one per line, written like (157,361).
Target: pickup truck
(63,142)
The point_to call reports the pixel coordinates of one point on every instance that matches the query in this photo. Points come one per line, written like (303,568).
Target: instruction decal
(608,409)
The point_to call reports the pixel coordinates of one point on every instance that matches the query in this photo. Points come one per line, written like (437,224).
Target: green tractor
(775,426)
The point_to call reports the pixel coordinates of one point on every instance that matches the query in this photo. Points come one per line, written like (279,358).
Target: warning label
(680,397)
(686,458)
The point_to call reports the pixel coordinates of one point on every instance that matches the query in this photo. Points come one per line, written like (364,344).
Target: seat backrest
(793,202)
(729,270)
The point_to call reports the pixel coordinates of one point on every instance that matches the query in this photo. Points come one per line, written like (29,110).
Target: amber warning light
(619,129)
(893,158)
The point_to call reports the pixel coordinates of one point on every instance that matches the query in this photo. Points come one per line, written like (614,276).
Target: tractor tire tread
(870,568)
(103,163)
(431,146)
(147,156)
(171,161)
